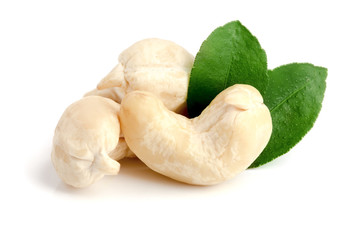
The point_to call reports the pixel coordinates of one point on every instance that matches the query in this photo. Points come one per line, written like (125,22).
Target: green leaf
(294,96)
(230,55)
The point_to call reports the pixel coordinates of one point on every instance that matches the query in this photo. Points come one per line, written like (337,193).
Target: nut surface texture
(154,65)
(87,141)
(211,148)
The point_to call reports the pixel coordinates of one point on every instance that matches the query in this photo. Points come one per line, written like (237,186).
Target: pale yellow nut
(155,65)
(213,147)
(87,141)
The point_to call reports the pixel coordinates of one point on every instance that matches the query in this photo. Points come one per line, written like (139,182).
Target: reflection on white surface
(134,179)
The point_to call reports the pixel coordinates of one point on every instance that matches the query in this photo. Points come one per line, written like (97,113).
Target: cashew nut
(87,141)
(155,65)
(213,147)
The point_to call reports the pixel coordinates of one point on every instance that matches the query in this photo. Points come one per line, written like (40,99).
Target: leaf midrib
(288,97)
(228,72)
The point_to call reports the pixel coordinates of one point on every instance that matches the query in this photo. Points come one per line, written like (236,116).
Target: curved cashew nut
(224,140)
(87,141)
(155,65)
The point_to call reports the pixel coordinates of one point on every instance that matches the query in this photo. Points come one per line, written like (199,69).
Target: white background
(52,52)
